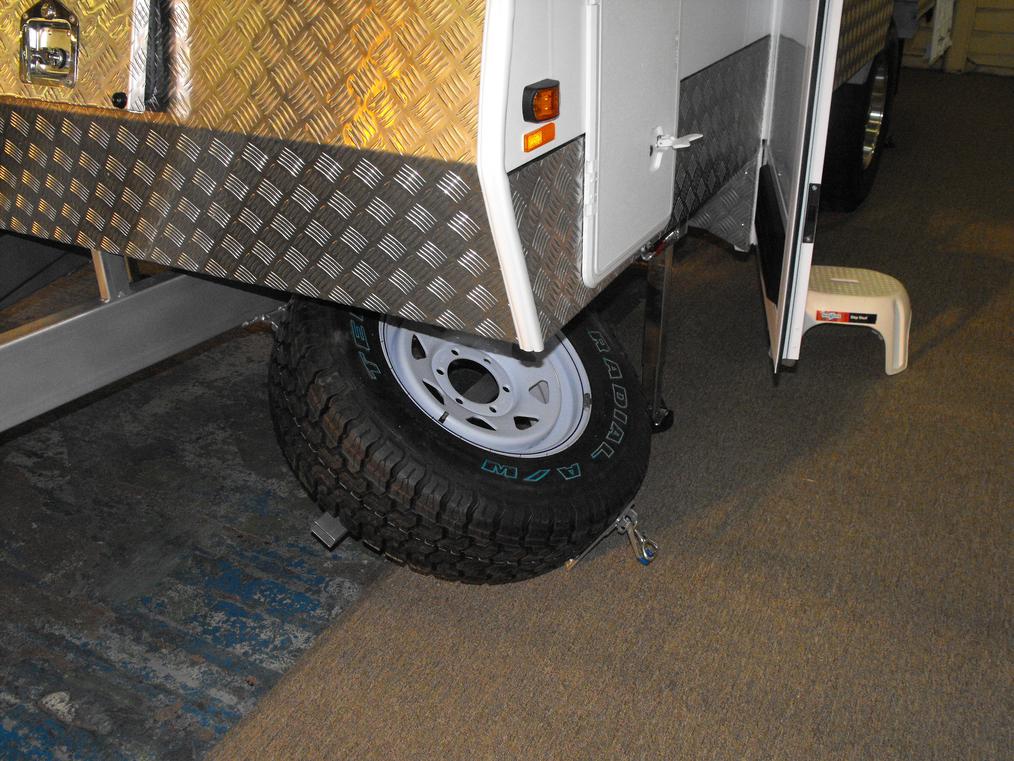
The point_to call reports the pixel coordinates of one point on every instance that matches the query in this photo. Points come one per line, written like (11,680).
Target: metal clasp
(645,550)
(49,45)
(673,143)
(664,143)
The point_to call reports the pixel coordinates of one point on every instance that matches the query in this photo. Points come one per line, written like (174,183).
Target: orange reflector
(541,101)
(540,137)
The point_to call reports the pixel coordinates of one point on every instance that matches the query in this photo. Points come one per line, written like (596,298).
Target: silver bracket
(272,318)
(329,530)
(644,549)
(112,274)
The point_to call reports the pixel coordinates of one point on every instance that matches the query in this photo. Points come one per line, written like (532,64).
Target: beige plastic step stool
(850,296)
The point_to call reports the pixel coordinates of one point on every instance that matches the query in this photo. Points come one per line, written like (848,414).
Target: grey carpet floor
(834,580)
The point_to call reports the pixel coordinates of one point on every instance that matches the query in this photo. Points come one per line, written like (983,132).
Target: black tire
(412,491)
(852,159)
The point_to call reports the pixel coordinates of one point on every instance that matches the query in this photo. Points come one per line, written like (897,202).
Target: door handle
(664,143)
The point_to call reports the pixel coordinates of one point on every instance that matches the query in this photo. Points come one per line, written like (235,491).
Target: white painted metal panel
(547,44)
(805,53)
(631,98)
(715,29)
(494,94)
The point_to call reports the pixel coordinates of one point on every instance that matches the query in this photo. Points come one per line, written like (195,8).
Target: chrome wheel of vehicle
(859,129)
(875,113)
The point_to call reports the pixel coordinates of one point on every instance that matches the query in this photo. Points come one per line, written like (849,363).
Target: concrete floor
(157,576)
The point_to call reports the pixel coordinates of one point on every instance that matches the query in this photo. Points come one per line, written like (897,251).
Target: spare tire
(456,455)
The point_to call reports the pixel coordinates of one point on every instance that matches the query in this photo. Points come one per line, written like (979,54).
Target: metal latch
(673,143)
(664,143)
(49,45)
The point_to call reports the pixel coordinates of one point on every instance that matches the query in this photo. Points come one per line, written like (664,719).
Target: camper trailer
(423,198)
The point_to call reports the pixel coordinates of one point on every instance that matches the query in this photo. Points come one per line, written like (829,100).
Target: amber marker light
(541,101)
(540,137)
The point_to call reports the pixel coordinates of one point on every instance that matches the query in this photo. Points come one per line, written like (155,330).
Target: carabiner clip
(645,550)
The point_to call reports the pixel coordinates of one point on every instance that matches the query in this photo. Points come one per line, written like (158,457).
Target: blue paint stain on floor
(157,574)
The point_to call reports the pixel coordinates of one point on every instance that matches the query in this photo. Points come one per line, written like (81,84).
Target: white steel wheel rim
(491,400)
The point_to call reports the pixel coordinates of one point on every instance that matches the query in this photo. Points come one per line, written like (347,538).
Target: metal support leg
(656,312)
(112,274)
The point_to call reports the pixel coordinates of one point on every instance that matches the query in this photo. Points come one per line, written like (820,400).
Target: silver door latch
(49,45)
(644,549)
(673,143)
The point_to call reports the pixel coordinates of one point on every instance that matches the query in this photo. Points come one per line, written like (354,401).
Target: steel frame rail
(64,356)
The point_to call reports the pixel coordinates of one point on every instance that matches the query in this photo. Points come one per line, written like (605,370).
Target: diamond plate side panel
(398,76)
(548,197)
(864,25)
(725,103)
(729,214)
(399,235)
(104,63)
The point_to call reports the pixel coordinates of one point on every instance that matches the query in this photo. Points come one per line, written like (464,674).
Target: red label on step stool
(860,318)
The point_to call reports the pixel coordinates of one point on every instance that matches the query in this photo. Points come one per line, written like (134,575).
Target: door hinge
(812,208)
(591,187)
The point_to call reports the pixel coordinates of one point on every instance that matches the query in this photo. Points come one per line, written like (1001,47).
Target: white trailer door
(630,99)
(805,48)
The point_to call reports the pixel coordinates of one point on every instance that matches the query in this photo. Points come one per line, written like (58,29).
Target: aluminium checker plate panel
(729,213)
(716,177)
(864,25)
(398,235)
(259,172)
(725,103)
(548,197)
(384,75)
(314,146)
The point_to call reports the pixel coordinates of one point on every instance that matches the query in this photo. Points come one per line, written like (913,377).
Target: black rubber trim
(770,234)
(157,74)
